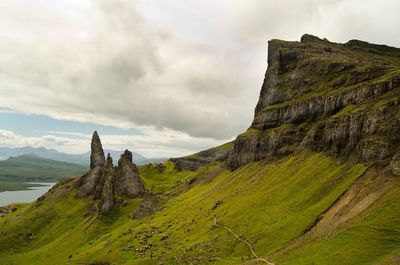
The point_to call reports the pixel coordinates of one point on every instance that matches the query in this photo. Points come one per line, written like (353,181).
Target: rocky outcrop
(314,107)
(88,183)
(107,187)
(6,210)
(395,164)
(313,65)
(362,136)
(195,161)
(127,174)
(103,181)
(160,167)
(97,154)
(256,144)
(342,99)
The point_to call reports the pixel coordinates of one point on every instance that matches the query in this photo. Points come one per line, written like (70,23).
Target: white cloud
(154,143)
(122,71)
(11,139)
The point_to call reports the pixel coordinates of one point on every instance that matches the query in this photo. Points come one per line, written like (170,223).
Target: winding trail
(242,240)
(216,224)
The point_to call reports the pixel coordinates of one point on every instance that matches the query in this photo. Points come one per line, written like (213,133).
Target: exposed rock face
(127,175)
(342,99)
(395,164)
(107,191)
(88,183)
(256,145)
(310,109)
(363,136)
(103,181)
(97,155)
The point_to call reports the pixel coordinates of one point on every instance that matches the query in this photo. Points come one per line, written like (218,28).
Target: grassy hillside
(33,168)
(272,208)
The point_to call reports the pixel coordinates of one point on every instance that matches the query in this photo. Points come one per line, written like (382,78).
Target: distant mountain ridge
(31,167)
(83,159)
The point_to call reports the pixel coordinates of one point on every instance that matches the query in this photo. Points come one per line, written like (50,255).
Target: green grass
(374,235)
(269,204)
(162,181)
(222,148)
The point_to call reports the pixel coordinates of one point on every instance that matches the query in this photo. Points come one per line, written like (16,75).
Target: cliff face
(342,99)
(104,181)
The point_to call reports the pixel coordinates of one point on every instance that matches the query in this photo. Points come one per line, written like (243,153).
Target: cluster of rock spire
(104,181)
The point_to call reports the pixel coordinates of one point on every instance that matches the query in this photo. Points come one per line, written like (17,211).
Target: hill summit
(340,99)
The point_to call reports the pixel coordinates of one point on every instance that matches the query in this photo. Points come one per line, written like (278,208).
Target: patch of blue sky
(39,125)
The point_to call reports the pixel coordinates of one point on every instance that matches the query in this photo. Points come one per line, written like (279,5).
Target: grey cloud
(140,63)
(163,143)
(339,20)
(125,70)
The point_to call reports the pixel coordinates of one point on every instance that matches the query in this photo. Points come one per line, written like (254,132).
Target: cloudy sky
(160,77)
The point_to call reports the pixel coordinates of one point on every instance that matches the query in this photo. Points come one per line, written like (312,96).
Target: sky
(163,78)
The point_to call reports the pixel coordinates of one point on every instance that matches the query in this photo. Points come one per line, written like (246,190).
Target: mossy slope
(267,203)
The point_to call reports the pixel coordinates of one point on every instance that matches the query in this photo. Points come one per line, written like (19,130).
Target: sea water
(28,195)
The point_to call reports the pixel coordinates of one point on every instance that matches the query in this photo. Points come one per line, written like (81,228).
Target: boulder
(160,167)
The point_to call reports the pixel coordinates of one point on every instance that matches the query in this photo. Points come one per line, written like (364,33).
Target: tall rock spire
(127,179)
(97,155)
(107,189)
(89,182)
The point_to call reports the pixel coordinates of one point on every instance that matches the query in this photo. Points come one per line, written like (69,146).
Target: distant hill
(83,159)
(31,167)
